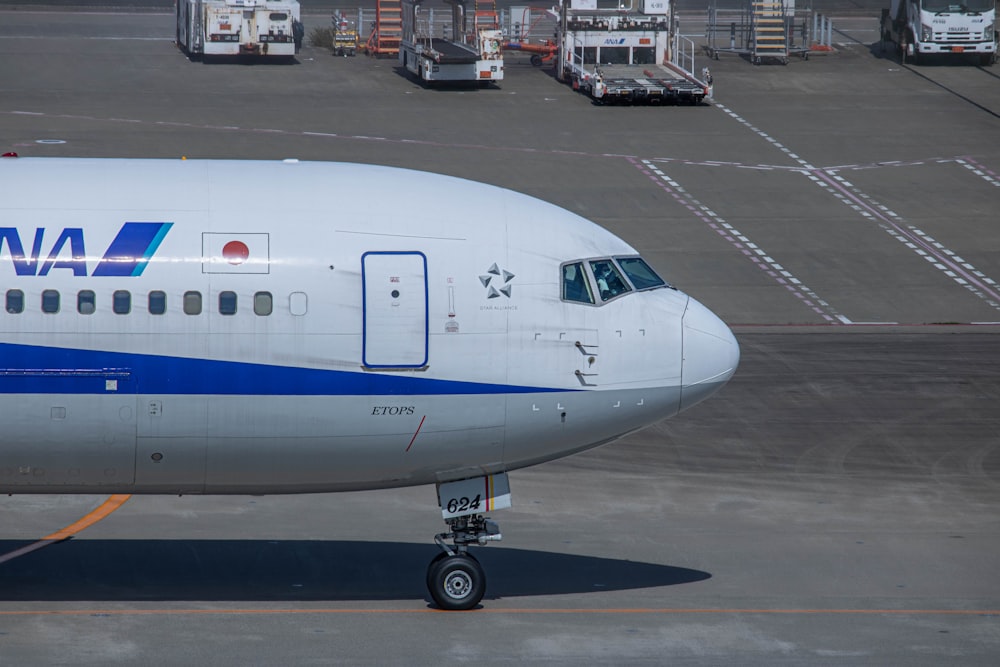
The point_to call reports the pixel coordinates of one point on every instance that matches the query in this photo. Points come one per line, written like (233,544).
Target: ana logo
(611,41)
(127,256)
(495,272)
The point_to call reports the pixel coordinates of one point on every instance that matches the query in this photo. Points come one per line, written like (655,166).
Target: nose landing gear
(455,579)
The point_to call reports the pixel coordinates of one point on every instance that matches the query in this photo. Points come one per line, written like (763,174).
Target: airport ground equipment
(541,53)
(627,57)
(237,27)
(531,30)
(469,50)
(345,35)
(927,27)
(387,31)
(764,30)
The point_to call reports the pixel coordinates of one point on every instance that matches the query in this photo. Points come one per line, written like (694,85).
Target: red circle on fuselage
(235,252)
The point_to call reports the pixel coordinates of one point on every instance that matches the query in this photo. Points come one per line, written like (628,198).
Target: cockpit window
(576,287)
(640,273)
(609,281)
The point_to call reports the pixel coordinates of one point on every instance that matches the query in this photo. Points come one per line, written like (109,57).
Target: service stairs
(485,16)
(388,30)
(767,27)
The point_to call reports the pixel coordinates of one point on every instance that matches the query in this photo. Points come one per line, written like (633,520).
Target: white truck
(237,27)
(925,27)
(468,50)
(620,56)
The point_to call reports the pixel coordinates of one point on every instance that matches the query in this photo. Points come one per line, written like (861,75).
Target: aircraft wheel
(456,583)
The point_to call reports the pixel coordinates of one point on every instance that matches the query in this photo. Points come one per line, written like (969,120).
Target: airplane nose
(710,354)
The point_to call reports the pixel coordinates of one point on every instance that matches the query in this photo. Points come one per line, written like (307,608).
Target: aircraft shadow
(298,570)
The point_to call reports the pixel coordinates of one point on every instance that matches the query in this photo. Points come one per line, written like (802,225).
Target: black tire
(456,583)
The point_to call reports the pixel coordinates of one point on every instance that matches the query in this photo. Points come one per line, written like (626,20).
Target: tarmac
(838,503)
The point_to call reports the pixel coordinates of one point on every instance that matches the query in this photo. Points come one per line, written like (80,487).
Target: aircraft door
(395,309)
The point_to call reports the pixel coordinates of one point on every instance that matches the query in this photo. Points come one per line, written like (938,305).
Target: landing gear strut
(455,578)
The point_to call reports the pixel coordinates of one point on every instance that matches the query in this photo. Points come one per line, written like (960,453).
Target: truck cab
(926,27)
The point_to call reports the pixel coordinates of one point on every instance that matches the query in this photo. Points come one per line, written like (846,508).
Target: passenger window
(576,286)
(263,303)
(192,303)
(86,302)
(640,273)
(298,303)
(50,301)
(15,301)
(157,302)
(609,281)
(121,302)
(227,303)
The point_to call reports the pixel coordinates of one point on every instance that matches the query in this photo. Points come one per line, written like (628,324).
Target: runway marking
(804,166)
(962,273)
(940,257)
(101,512)
(979,170)
(518,611)
(740,241)
(764,135)
(304,133)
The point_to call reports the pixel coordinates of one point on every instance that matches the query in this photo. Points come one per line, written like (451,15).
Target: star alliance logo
(491,289)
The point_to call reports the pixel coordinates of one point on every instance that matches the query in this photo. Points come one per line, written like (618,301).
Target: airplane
(175,326)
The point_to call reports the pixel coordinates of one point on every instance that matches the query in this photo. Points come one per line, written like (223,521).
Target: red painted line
(419,426)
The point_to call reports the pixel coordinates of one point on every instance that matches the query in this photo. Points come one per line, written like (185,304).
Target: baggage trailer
(620,57)
(237,27)
(471,51)
(639,84)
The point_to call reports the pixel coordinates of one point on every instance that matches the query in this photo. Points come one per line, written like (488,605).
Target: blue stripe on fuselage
(30,369)
(132,249)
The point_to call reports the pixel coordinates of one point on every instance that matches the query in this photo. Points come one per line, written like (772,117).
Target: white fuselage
(283,327)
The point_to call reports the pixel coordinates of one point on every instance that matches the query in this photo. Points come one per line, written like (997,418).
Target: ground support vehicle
(345,36)
(540,53)
(626,58)
(471,50)
(926,27)
(237,27)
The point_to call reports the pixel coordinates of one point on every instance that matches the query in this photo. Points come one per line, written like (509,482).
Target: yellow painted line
(101,512)
(236,612)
